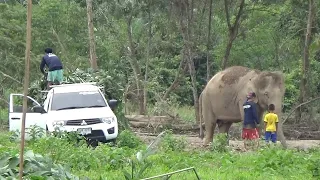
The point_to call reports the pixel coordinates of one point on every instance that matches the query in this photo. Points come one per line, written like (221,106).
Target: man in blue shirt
(55,68)
(251,120)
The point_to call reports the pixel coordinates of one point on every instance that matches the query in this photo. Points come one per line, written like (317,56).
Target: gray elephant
(222,99)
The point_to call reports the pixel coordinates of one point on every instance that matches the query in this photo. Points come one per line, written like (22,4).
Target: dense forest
(149,52)
(155,58)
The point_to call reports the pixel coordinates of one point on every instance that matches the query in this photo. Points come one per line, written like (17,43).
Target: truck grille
(78,122)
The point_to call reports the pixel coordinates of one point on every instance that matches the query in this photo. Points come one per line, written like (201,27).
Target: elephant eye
(266,94)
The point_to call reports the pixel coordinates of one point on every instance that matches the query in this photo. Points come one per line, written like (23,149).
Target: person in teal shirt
(55,67)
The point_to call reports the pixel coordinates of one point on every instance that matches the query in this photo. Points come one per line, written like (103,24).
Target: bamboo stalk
(25,85)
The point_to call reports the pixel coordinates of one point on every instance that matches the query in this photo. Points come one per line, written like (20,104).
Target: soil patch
(232,74)
(196,142)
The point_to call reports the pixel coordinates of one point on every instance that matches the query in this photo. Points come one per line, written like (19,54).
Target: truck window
(73,100)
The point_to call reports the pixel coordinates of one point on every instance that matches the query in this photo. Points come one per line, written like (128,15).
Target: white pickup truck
(69,107)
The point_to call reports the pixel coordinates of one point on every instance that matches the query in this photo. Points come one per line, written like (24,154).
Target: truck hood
(83,113)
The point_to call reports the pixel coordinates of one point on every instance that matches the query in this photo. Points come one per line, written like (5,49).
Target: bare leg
(49,84)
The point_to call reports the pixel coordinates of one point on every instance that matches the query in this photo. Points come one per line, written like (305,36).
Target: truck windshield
(75,100)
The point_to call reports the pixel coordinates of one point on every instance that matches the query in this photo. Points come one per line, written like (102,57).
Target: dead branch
(298,107)
(10,77)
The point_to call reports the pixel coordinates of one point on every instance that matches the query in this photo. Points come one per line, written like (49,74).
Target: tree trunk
(135,66)
(209,44)
(93,55)
(233,30)
(192,72)
(304,93)
(184,10)
(25,85)
(188,46)
(145,90)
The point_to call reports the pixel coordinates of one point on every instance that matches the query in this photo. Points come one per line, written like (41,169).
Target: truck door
(15,113)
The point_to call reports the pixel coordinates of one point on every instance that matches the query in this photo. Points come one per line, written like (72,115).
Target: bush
(128,139)
(220,142)
(171,143)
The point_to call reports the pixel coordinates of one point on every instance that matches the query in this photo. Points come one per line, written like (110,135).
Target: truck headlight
(58,123)
(108,120)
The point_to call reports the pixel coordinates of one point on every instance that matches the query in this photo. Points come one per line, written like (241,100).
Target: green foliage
(140,164)
(107,162)
(171,143)
(35,167)
(128,139)
(292,92)
(220,142)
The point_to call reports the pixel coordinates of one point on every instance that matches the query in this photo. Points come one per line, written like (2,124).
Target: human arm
(265,121)
(42,65)
(276,126)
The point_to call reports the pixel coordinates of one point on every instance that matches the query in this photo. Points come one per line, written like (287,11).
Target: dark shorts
(270,135)
(250,133)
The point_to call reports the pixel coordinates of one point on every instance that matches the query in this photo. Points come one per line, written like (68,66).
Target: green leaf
(13,162)
(126,175)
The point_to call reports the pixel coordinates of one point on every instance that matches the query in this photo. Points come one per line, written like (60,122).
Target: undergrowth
(131,159)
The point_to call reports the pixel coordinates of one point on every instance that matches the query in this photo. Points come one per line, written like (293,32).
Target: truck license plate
(84,131)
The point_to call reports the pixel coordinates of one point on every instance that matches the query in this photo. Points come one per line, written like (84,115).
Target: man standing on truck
(55,68)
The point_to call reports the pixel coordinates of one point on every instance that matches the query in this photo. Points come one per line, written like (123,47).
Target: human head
(271,107)
(48,50)
(251,95)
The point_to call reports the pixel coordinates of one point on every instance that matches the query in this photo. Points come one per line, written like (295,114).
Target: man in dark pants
(55,73)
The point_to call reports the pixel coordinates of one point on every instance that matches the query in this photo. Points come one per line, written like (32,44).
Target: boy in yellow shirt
(271,124)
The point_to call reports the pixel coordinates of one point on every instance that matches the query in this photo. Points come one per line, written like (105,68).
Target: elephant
(221,101)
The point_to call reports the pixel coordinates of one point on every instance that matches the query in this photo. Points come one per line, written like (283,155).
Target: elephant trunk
(278,111)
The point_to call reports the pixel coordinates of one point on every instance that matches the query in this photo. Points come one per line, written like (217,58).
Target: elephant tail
(201,133)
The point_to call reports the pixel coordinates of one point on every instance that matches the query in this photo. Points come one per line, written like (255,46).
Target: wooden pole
(93,55)
(25,85)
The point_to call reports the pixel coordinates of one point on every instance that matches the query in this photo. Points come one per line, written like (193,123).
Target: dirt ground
(300,136)
(195,142)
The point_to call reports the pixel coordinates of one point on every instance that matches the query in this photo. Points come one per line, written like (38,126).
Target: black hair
(271,107)
(48,50)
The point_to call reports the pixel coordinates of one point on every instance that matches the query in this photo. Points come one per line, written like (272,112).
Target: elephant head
(269,87)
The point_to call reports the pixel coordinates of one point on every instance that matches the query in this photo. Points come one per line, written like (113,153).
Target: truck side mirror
(113,103)
(38,109)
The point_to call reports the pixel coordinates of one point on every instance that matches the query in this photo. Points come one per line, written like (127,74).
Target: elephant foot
(206,143)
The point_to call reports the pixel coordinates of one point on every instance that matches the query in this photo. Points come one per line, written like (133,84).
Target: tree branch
(12,78)
(307,102)
(237,21)
(226,8)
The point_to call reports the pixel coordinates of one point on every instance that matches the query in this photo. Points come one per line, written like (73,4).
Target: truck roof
(65,88)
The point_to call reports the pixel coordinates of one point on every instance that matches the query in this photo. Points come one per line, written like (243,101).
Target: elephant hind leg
(224,128)
(209,120)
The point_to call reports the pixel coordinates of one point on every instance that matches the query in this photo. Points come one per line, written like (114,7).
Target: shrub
(128,139)
(220,142)
(171,143)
